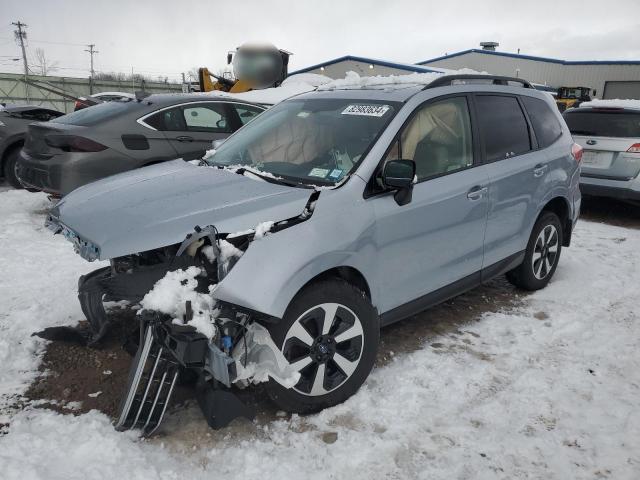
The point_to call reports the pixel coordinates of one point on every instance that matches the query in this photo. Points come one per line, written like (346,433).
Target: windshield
(97,113)
(310,141)
(604,123)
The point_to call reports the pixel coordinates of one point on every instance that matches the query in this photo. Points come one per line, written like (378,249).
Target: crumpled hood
(159,205)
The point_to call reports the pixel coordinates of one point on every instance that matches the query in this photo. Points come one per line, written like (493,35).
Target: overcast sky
(162,37)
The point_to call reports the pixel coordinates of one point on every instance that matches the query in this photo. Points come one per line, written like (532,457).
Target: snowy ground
(546,388)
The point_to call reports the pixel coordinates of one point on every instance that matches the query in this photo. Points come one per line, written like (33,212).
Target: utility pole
(91,52)
(21,35)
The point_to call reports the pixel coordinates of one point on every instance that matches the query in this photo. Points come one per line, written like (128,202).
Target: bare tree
(43,64)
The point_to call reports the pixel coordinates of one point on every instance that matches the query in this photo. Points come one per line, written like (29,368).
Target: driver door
(436,241)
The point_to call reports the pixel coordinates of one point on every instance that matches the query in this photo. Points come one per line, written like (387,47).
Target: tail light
(78,105)
(73,143)
(576,152)
(635,148)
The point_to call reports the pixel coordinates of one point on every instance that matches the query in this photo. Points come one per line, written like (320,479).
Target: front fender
(274,268)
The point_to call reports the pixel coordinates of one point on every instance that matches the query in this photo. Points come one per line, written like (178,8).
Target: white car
(609,132)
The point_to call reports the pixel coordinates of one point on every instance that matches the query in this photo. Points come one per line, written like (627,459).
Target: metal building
(338,67)
(606,78)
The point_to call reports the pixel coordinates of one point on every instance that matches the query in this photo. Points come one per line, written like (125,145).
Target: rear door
(517,172)
(611,141)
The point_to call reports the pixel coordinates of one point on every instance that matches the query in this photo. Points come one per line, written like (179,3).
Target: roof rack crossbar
(446,80)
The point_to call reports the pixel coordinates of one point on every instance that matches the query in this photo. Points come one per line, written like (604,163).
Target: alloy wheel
(324,345)
(545,252)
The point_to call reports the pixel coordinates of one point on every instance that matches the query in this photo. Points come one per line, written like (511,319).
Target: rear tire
(331,330)
(10,165)
(541,256)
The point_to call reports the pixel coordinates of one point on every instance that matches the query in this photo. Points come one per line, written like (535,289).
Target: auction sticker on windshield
(366,110)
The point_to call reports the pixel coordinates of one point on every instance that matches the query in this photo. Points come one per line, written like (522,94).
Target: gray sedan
(118,136)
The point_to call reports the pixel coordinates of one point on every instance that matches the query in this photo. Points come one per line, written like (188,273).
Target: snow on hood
(159,205)
(613,103)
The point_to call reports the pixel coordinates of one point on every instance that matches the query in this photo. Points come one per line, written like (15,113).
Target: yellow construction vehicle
(255,66)
(569,97)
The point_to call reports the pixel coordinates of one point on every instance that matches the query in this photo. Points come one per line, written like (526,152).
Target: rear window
(603,123)
(544,121)
(97,113)
(503,126)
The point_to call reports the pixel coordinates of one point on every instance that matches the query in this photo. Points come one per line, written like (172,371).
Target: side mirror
(217,143)
(398,175)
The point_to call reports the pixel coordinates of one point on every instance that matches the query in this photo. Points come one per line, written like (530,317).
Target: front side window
(437,138)
(544,121)
(310,141)
(502,126)
(206,117)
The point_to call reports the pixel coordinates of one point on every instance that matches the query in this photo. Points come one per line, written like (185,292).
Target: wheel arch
(11,145)
(560,206)
(349,274)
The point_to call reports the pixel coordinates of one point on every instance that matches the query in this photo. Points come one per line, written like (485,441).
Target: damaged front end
(168,350)
(184,330)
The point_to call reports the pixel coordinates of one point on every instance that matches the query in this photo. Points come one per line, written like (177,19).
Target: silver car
(344,209)
(609,132)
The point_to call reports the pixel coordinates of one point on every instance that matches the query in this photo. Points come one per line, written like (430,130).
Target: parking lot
(494,383)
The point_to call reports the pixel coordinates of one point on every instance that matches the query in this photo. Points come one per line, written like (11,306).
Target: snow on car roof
(614,103)
(353,80)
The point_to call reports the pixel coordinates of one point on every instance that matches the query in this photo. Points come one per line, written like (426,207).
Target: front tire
(10,168)
(330,333)
(542,254)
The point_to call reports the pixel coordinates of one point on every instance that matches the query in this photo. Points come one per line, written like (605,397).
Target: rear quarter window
(604,123)
(545,123)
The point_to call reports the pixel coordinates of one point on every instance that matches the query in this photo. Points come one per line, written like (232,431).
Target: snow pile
(353,80)
(617,103)
(228,252)
(263,229)
(170,294)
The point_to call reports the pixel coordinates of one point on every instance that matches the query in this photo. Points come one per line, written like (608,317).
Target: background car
(121,135)
(84,102)
(609,132)
(14,122)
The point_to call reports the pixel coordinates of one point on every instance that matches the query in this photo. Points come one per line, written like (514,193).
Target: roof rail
(446,80)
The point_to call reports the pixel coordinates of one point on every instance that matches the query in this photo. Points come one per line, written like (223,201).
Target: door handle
(539,170)
(476,193)
(184,138)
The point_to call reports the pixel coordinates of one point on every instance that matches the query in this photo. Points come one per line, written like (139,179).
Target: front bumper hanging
(167,350)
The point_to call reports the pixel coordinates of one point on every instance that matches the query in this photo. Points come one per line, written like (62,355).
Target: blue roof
(372,61)
(531,57)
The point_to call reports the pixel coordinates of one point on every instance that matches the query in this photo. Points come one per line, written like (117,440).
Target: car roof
(610,104)
(166,99)
(392,93)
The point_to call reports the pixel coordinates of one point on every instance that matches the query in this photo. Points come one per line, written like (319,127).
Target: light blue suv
(344,209)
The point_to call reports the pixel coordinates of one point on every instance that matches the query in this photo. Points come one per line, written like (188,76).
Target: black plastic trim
(454,289)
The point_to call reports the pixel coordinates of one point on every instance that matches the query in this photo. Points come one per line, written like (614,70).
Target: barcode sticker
(366,110)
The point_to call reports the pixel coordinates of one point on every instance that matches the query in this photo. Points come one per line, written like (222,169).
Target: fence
(14,90)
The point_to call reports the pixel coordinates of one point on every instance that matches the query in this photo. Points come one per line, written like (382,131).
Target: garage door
(622,90)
